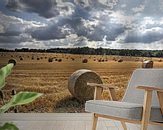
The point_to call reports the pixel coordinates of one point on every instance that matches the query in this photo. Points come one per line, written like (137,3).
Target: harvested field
(51,78)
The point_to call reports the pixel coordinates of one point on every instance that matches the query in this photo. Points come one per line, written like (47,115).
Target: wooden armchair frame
(146,107)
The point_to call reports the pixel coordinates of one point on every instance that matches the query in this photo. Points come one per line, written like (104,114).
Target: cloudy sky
(132,24)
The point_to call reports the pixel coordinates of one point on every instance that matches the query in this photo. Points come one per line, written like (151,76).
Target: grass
(51,78)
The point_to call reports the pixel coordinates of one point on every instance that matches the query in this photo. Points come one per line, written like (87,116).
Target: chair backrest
(143,77)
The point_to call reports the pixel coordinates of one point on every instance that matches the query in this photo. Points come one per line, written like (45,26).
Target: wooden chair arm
(147,88)
(148,95)
(104,86)
(99,89)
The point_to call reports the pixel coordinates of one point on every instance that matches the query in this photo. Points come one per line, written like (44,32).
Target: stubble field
(33,72)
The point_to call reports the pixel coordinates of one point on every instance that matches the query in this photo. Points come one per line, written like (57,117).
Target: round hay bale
(50,59)
(77,84)
(72,59)
(32,58)
(12,61)
(159,60)
(120,60)
(99,60)
(147,64)
(59,60)
(21,58)
(84,60)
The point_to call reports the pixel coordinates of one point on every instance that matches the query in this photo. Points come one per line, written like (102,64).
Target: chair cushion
(131,111)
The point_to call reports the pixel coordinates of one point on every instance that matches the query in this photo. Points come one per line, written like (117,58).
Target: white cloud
(123,5)
(142,46)
(138,9)
(1,29)
(119,17)
(33,45)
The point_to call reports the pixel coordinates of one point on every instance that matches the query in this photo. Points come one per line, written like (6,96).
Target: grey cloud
(48,33)
(153,8)
(74,21)
(9,45)
(10,34)
(12,30)
(75,26)
(45,8)
(109,30)
(130,4)
(53,8)
(148,37)
(15,30)
(71,17)
(13,39)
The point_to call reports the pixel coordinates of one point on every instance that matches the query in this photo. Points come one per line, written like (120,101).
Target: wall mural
(58,46)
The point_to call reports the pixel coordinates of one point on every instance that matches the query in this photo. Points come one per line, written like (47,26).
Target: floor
(57,121)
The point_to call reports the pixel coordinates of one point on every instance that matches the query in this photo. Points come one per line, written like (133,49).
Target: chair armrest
(157,89)
(148,101)
(99,89)
(147,88)
(104,86)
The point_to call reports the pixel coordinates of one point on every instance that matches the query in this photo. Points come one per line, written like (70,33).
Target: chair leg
(124,125)
(146,110)
(94,121)
(144,127)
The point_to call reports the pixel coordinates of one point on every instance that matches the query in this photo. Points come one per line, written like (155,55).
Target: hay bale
(77,84)
(147,64)
(12,61)
(84,60)
(99,60)
(159,60)
(50,59)
(120,60)
(21,58)
(32,57)
(59,60)
(72,59)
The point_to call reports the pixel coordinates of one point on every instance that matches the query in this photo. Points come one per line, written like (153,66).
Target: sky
(115,24)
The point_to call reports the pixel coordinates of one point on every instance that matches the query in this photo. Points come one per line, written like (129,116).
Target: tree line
(93,51)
